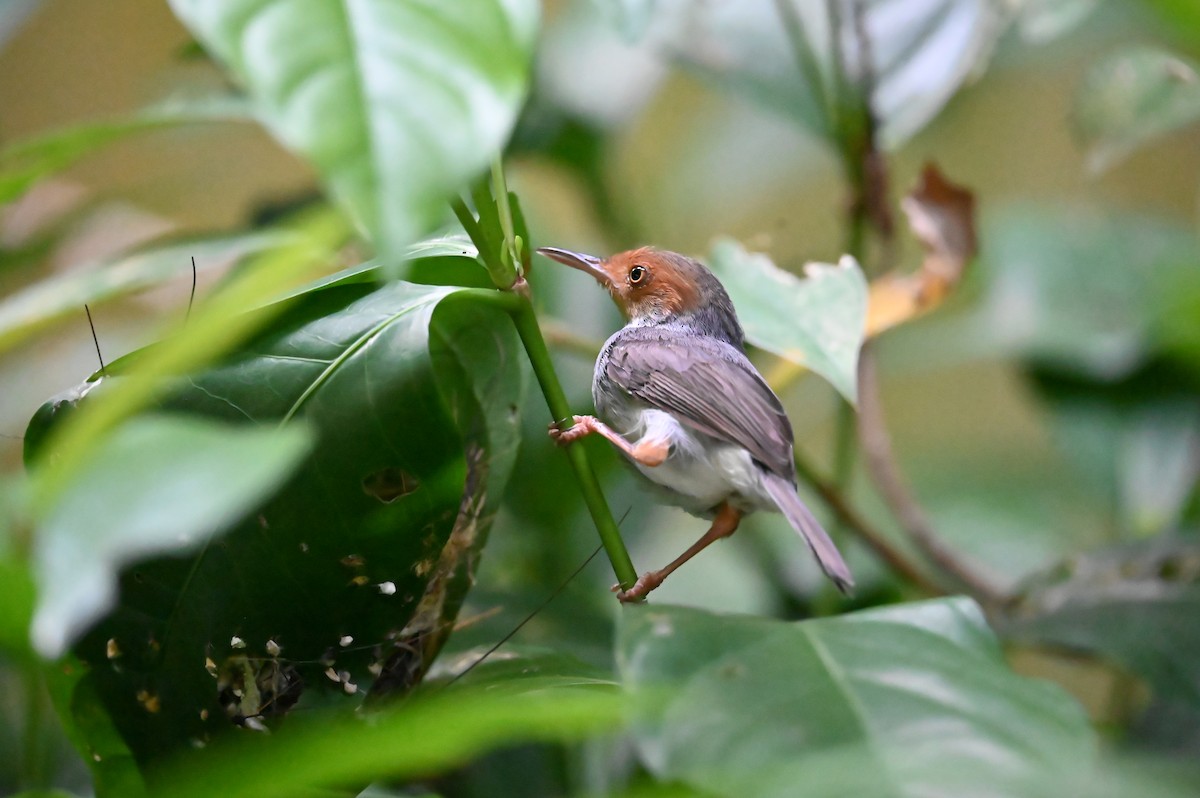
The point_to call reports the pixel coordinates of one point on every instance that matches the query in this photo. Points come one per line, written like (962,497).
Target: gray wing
(709,385)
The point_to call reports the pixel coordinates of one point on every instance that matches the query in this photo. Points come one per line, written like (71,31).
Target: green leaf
(220,322)
(410,740)
(24,163)
(1182,17)
(160,485)
(1131,98)
(397,103)
(908,700)
(1079,290)
(1041,21)
(818,322)
(17,599)
(48,301)
(921,52)
(361,561)
(1136,443)
(1136,604)
(16,580)
(91,730)
(433,249)
(517,668)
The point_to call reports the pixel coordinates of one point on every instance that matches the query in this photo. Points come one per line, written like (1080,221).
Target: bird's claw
(645,583)
(580,427)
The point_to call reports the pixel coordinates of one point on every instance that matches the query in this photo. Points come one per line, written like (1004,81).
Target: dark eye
(637,274)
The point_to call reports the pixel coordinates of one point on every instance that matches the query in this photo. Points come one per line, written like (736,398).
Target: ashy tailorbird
(676,395)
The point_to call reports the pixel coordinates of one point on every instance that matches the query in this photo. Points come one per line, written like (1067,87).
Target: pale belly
(700,472)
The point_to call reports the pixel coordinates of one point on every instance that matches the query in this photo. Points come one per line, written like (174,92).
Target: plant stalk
(520,309)
(500,191)
(539,357)
(514,299)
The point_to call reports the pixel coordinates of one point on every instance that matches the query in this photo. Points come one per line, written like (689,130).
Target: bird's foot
(582,425)
(645,583)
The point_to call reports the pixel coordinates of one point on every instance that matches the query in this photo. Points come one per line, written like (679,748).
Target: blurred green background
(1049,408)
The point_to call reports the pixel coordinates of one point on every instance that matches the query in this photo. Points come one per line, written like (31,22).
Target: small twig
(95,339)
(192,297)
(897,560)
(881,464)
(545,603)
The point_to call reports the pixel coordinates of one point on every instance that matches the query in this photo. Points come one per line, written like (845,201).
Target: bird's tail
(803,521)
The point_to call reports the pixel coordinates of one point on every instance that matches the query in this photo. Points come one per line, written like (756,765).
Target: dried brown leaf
(941,215)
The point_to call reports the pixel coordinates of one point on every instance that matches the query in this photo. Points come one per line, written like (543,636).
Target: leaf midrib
(349,352)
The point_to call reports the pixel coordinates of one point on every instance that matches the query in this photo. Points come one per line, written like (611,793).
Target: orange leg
(724,525)
(647,451)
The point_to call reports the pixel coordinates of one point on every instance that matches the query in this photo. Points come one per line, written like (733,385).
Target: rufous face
(643,282)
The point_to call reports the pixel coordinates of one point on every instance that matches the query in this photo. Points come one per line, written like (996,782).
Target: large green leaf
(159,485)
(818,322)
(1133,97)
(24,163)
(397,103)
(45,302)
(437,251)
(904,701)
(1080,290)
(921,52)
(358,565)
(16,580)
(412,740)
(1135,442)
(1135,603)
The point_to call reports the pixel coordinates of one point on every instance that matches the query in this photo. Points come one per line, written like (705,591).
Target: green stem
(33,765)
(501,277)
(806,62)
(520,309)
(846,445)
(560,411)
(514,299)
(500,191)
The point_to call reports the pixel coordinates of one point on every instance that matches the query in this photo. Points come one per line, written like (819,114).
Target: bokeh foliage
(273,516)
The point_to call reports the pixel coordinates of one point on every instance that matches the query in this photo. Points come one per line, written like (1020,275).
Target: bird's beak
(585,263)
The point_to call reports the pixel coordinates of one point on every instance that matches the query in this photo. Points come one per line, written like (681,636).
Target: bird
(675,393)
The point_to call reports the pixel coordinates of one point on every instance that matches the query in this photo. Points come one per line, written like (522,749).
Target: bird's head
(655,286)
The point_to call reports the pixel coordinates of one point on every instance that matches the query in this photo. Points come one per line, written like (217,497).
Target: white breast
(701,472)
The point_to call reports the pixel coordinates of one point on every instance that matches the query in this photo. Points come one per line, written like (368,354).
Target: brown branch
(850,517)
(881,464)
